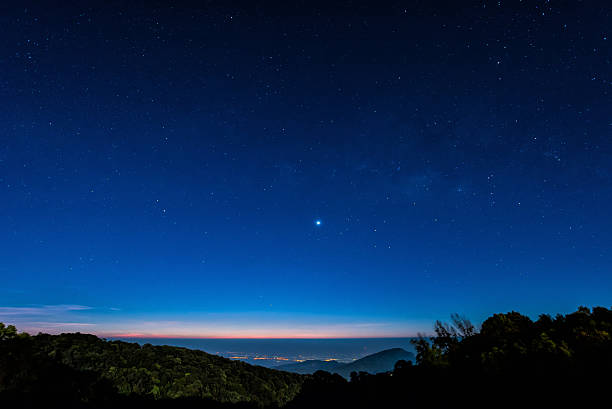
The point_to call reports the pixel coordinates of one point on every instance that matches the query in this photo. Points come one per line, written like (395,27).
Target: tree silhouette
(7,332)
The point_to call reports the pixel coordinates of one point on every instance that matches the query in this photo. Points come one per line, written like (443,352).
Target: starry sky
(302,169)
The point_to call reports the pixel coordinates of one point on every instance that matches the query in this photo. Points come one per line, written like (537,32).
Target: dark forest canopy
(509,359)
(87,368)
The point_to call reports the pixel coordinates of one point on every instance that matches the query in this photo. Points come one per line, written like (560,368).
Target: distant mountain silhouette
(382,361)
(311,366)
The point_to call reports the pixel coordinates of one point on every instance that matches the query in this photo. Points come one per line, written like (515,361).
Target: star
(318,222)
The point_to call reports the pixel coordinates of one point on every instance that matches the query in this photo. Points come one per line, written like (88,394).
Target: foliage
(512,361)
(7,332)
(156,372)
(442,346)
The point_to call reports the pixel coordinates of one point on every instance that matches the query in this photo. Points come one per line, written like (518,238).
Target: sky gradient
(163,168)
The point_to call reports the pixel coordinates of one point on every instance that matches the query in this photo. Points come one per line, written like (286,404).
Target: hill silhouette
(310,366)
(382,361)
(510,361)
(87,368)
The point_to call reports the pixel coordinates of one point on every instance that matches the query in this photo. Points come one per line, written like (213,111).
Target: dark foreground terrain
(511,361)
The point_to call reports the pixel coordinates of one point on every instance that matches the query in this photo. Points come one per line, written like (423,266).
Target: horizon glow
(75,318)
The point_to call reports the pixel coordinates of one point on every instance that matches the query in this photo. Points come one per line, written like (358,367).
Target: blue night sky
(302,170)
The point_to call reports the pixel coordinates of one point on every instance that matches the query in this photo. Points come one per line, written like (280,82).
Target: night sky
(302,169)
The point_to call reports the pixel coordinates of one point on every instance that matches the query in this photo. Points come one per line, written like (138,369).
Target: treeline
(81,368)
(510,361)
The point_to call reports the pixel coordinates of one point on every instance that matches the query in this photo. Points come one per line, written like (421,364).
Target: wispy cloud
(64,324)
(47,318)
(41,310)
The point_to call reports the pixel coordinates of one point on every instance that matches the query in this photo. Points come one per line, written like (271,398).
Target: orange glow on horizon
(204,330)
(243,336)
(234,327)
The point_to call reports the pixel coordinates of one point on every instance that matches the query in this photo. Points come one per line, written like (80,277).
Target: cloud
(41,310)
(64,324)
(46,318)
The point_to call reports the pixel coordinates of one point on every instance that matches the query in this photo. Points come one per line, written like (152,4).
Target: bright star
(318,222)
